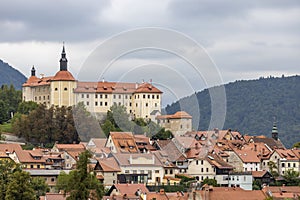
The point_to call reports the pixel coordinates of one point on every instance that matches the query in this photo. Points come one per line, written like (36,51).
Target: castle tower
(63,84)
(274,131)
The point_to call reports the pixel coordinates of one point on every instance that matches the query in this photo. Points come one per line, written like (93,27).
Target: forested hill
(252,106)
(9,75)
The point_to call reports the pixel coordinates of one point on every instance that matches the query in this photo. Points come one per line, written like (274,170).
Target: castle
(63,89)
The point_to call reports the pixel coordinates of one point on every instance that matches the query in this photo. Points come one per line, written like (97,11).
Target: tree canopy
(80,183)
(9,101)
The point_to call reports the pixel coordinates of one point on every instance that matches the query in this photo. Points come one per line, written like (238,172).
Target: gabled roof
(124,142)
(128,189)
(147,88)
(274,144)
(109,165)
(218,162)
(34,81)
(68,147)
(260,174)
(177,115)
(168,148)
(287,154)
(10,147)
(225,193)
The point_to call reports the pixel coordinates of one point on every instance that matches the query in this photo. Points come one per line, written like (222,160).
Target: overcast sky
(243,39)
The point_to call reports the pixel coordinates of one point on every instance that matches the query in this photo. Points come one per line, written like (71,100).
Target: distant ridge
(252,107)
(9,75)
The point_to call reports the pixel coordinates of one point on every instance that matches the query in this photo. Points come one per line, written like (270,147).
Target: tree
(163,134)
(296,145)
(291,177)
(26,106)
(20,187)
(40,186)
(7,168)
(208,181)
(273,169)
(79,183)
(86,124)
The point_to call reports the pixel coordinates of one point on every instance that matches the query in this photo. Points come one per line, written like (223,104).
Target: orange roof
(130,189)
(114,87)
(287,154)
(109,165)
(259,174)
(70,146)
(124,142)
(147,88)
(225,193)
(63,76)
(177,115)
(10,147)
(34,81)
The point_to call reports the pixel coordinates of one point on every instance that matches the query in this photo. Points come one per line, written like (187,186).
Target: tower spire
(63,60)
(274,131)
(33,71)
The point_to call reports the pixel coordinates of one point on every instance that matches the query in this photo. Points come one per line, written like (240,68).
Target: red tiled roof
(287,154)
(124,142)
(109,165)
(63,76)
(225,193)
(34,81)
(70,146)
(147,88)
(177,115)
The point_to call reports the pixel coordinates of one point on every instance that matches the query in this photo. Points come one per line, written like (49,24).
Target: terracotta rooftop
(288,154)
(124,142)
(137,159)
(177,115)
(66,147)
(109,165)
(63,76)
(274,144)
(259,174)
(282,192)
(147,88)
(129,189)
(225,193)
(35,81)
(115,87)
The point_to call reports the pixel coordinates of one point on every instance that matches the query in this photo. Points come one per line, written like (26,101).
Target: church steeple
(274,131)
(32,71)
(63,60)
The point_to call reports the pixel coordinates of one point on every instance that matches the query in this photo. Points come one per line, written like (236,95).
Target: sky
(231,40)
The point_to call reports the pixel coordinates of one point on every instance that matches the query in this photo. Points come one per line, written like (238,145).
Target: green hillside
(252,107)
(9,75)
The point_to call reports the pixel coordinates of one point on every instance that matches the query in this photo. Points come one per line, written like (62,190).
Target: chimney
(255,147)
(263,151)
(161,191)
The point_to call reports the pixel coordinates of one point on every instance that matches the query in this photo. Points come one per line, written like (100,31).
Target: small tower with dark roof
(274,131)
(32,71)
(63,60)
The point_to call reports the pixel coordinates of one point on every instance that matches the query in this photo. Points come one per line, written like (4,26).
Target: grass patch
(6,127)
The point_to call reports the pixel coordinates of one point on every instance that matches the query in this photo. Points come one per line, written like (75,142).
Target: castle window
(119,103)
(105,103)
(82,95)
(65,89)
(148,96)
(100,96)
(96,96)
(119,96)
(136,105)
(48,97)
(106,96)
(144,96)
(157,96)
(125,96)
(55,89)
(100,103)
(114,96)
(155,104)
(153,96)
(96,103)
(129,104)
(87,95)
(40,98)
(87,103)
(44,97)
(146,104)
